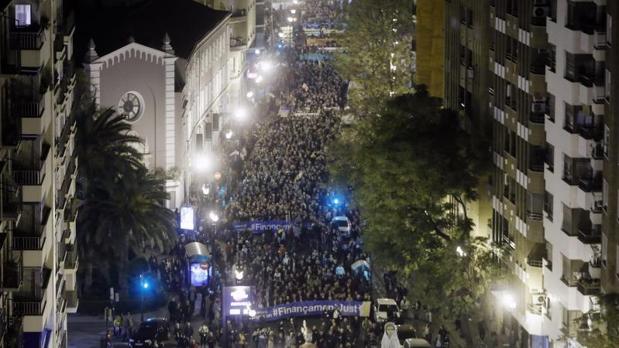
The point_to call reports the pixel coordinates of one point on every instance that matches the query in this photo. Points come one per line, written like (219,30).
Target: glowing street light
(229,135)
(508,301)
(259,79)
(250,94)
(266,66)
(281,35)
(293,11)
(213,216)
(204,162)
(241,113)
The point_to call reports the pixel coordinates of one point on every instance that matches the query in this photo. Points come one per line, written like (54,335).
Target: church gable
(133,50)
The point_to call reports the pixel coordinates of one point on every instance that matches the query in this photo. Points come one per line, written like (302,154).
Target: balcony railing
(239,13)
(588,286)
(71,260)
(591,184)
(535,262)
(590,235)
(27,176)
(32,239)
(28,108)
(30,38)
(32,302)
(72,300)
(237,42)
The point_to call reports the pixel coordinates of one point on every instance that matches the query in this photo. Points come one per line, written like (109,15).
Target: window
(548,202)
(553,10)
(550,157)
(609,29)
(604,249)
(606,140)
(22,15)
(604,194)
(607,84)
(551,58)
(550,107)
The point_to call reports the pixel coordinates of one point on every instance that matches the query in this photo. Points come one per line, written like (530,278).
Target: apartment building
(574,187)
(466,77)
(38,166)
(610,144)
(550,96)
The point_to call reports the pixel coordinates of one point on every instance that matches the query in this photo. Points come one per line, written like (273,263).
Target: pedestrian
(117,325)
(204,333)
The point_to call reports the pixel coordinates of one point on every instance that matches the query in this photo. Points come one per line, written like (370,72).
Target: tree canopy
(413,168)
(122,213)
(378,55)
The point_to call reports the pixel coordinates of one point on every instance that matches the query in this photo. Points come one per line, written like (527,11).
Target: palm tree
(122,213)
(125,218)
(104,144)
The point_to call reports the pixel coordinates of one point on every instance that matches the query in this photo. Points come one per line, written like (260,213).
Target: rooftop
(111,26)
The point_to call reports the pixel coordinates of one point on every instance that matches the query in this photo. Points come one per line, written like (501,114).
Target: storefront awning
(196,250)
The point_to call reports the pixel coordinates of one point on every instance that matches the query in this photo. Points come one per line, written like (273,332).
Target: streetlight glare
(204,162)
(213,216)
(266,66)
(259,79)
(250,94)
(508,301)
(241,113)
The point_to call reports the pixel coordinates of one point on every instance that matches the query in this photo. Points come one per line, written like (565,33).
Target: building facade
(39,166)
(170,77)
(574,171)
(550,96)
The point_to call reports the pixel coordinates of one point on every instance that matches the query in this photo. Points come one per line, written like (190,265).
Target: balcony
(591,183)
(71,260)
(237,42)
(590,235)
(61,142)
(12,275)
(32,302)
(588,287)
(29,38)
(32,237)
(72,301)
(11,200)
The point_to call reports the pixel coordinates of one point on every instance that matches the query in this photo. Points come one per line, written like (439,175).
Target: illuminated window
(22,15)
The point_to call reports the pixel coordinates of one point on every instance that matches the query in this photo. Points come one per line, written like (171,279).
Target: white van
(386,309)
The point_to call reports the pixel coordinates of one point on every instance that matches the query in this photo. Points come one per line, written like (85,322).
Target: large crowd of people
(282,175)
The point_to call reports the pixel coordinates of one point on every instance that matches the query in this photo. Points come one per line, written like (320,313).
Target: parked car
(150,330)
(386,309)
(342,224)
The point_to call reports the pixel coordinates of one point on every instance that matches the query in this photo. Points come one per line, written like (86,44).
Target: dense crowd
(316,86)
(283,175)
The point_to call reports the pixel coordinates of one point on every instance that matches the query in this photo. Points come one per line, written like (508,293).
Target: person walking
(204,333)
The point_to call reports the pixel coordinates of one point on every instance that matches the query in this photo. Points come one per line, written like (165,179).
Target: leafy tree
(122,214)
(377,56)
(604,331)
(414,169)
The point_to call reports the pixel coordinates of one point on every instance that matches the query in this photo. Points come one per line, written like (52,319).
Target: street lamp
(250,94)
(144,285)
(213,216)
(241,113)
(229,135)
(204,162)
(508,301)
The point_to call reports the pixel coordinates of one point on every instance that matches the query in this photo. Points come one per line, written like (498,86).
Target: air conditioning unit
(541,11)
